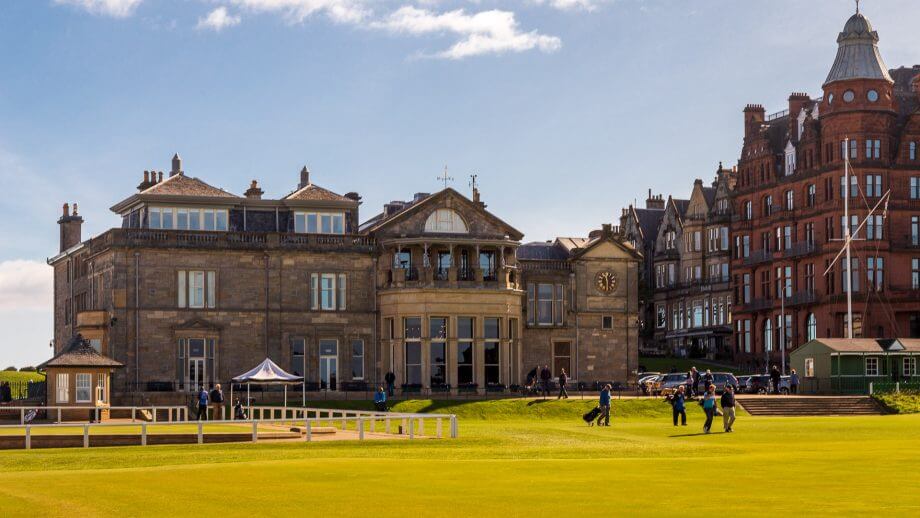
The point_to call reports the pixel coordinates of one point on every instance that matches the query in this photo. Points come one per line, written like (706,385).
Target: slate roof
(312,192)
(709,193)
(181,185)
(681,206)
(542,251)
(79,353)
(572,243)
(649,220)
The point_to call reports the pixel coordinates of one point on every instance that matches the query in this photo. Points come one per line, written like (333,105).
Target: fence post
(411,429)
(143,434)
(154,414)
(22,416)
(86,436)
(28,437)
(200,432)
(133,409)
(360,428)
(454,429)
(309,434)
(870,387)
(59,414)
(255,431)
(897,387)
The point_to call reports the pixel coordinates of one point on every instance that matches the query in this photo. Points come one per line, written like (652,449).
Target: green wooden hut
(852,366)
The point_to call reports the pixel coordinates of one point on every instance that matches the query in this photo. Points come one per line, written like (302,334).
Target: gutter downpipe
(137,320)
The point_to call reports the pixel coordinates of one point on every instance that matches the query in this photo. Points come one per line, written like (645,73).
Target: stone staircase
(810,405)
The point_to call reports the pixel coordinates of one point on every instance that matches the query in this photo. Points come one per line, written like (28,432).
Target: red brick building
(789,207)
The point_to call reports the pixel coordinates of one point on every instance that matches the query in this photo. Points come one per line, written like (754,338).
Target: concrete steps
(810,405)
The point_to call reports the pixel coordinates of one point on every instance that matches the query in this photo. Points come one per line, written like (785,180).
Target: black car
(762,384)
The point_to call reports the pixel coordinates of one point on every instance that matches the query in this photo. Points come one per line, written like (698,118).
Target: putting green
(528,459)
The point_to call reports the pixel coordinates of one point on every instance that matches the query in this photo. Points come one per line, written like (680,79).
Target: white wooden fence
(173,413)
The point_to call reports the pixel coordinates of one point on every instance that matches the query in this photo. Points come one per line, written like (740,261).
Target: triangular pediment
(197,323)
(473,219)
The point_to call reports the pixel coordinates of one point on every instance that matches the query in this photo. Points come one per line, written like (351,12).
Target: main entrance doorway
(328,364)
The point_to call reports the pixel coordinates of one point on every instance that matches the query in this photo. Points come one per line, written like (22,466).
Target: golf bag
(592,415)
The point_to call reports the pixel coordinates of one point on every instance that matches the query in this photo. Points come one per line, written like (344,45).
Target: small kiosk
(79,380)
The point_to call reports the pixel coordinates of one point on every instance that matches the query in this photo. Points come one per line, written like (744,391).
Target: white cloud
(296,11)
(218,20)
(486,32)
(25,285)
(113,8)
(569,5)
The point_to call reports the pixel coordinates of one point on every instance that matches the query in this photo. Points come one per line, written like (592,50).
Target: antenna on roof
(445,178)
(473,183)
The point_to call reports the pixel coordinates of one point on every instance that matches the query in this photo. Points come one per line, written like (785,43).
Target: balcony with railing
(800,249)
(130,237)
(758,256)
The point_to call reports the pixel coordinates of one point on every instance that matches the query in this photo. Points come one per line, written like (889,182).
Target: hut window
(872,366)
(63,388)
(809,367)
(910,367)
(84,388)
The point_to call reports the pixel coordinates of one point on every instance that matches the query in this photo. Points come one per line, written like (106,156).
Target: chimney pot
(304,178)
(176,165)
(66,210)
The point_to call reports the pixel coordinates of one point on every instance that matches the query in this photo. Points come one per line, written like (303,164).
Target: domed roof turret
(858,56)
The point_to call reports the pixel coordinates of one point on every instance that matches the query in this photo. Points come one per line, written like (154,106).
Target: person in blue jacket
(203,404)
(604,404)
(678,400)
(709,406)
(380,400)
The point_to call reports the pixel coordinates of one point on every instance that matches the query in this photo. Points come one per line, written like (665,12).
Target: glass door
(328,364)
(197,363)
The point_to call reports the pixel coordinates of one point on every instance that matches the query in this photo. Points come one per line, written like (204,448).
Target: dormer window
(182,218)
(319,222)
(447,221)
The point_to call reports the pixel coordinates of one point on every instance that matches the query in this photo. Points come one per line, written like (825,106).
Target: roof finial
(445,178)
(857,6)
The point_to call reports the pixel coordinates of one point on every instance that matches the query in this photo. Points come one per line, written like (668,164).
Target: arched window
(445,220)
(768,335)
(811,327)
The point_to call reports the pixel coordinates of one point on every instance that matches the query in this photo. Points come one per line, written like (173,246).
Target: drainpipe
(265,326)
(376,319)
(573,303)
(627,322)
(137,319)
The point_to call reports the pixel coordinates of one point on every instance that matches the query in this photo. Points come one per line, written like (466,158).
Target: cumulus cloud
(25,285)
(486,32)
(218,20)
(113,8)
(569,5)
(296,11)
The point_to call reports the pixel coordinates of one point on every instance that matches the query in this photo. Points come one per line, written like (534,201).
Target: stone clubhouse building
(198,285)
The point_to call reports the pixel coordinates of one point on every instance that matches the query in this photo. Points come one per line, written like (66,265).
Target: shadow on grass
(697,434)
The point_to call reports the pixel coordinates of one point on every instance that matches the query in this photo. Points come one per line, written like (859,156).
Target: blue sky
(566,109)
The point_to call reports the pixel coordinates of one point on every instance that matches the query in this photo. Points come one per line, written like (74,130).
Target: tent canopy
(267,372)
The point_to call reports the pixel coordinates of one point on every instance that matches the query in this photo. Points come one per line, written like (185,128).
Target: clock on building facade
(605,282)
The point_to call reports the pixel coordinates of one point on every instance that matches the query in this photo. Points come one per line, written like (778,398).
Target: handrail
(178,410)
(408,427)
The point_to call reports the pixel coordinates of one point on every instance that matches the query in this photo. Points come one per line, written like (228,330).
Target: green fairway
(513,458)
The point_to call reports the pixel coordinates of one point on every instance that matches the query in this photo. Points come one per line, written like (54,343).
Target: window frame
(81,379)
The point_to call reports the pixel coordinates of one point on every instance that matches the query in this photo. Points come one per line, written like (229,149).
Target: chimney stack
(71,226)
(148,181)
(304,178)
(754,116)
(254,192)
(176,166)
(654,202)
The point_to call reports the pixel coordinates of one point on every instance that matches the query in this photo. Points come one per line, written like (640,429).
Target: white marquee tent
(266,373)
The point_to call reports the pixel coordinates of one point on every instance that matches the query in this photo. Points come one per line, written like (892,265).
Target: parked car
(669,383)
(646,380)
(761,384)
(723,379)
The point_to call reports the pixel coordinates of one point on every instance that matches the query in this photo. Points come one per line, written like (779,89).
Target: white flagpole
(846,236)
